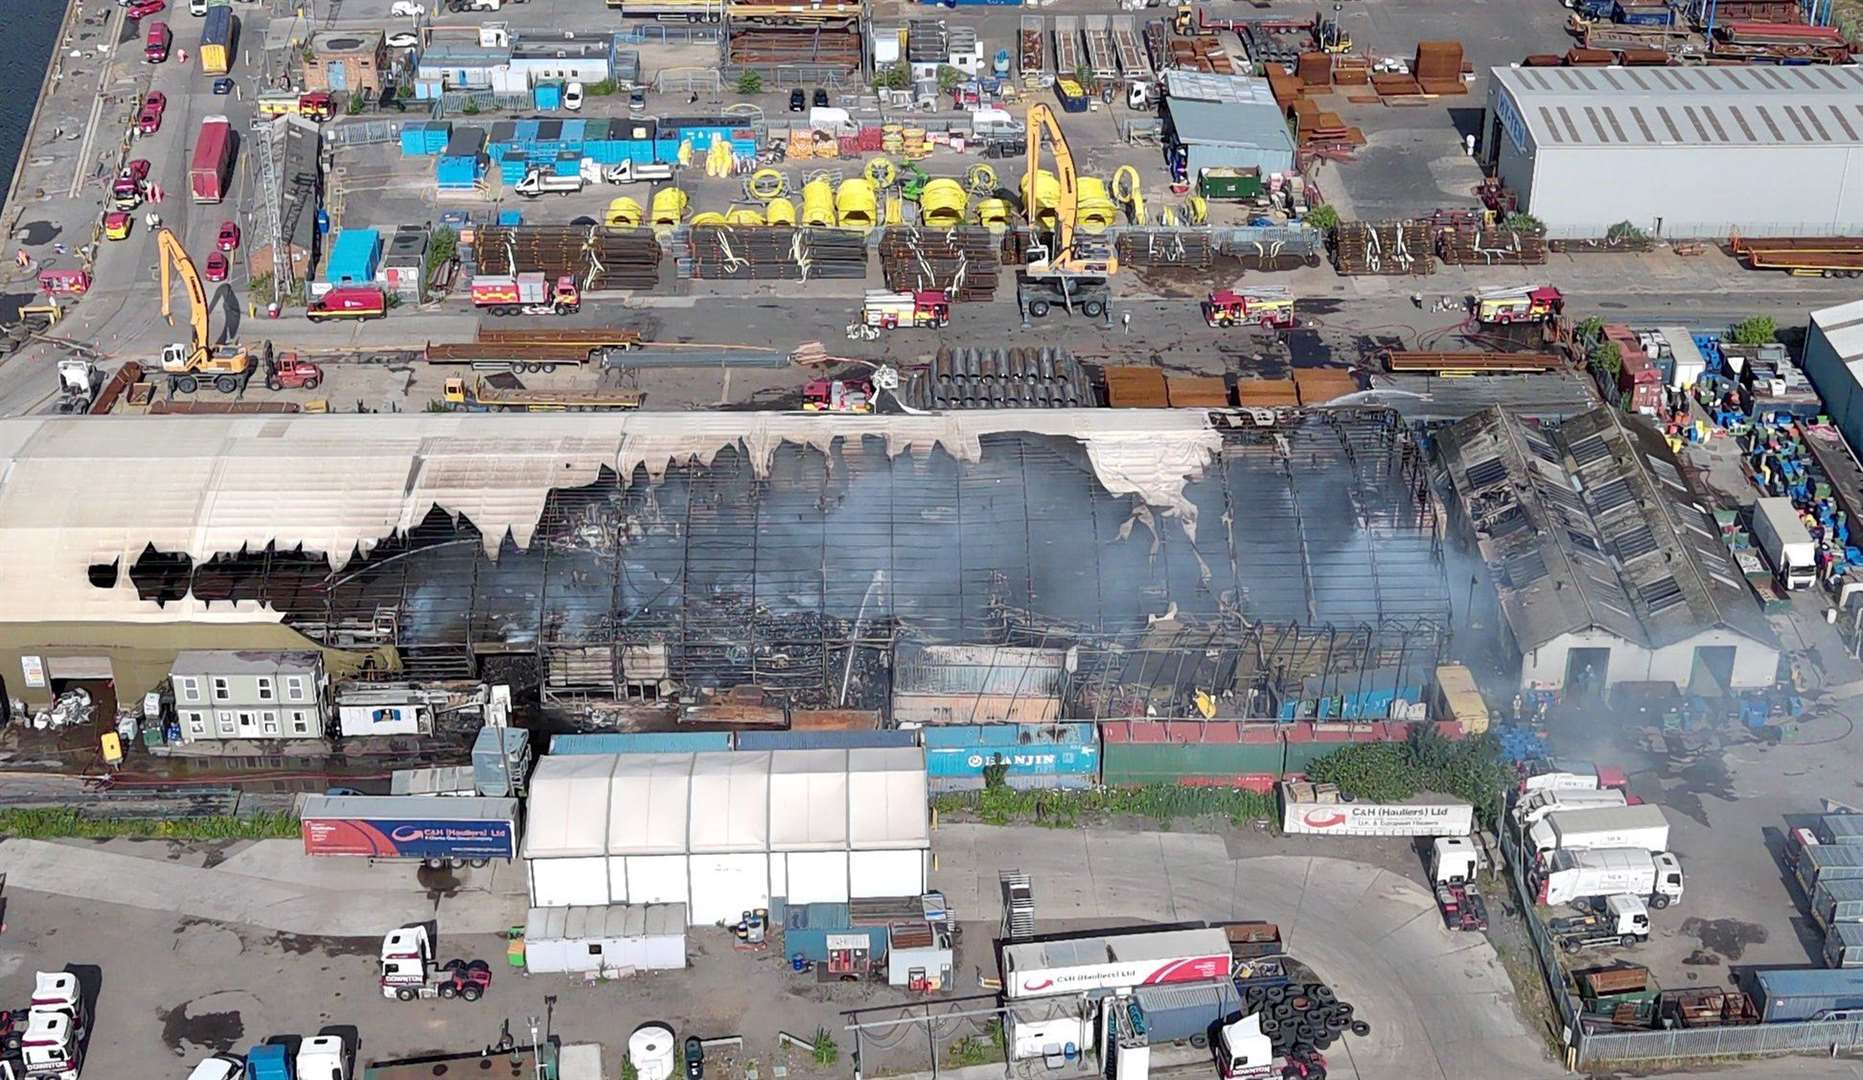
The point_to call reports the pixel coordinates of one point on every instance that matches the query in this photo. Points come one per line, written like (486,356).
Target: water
(31,31)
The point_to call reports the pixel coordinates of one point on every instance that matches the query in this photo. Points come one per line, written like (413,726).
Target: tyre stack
(1302,1018)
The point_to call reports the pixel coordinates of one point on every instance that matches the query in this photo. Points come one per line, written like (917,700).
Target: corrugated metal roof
(979,669)
(1232,89)
(1759,105)
(1229,124)
(394,807)
(1842,327)
(605,923)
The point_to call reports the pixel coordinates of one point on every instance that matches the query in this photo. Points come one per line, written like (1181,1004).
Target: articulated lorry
(439,830)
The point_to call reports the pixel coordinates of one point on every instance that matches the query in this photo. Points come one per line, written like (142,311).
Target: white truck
(409,971)
(1573,776)
(631,172)
(48,1047)
(1242,1051)
(537,183)
(1532,808)
(323,1057)
(1781,534)
(1603,827)
(1577,877)
(1623,922)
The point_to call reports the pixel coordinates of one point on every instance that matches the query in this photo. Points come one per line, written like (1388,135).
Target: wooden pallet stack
(1392,248)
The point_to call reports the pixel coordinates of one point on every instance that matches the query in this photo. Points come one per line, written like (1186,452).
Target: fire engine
(1269,308)
(1518,304)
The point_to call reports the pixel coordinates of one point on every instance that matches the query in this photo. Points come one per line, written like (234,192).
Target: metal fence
(362,132)
(1617,1047)
(1713,232)
(665,34)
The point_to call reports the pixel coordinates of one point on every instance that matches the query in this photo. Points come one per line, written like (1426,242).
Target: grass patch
(49,823)
(1162,803)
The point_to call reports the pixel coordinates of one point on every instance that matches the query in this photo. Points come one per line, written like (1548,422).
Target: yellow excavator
(188,365)
(1065,268)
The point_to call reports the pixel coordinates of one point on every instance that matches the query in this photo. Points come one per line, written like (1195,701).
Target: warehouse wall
(1755,664)
(1835,383)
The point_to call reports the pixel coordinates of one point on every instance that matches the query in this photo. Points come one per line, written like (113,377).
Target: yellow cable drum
(622,213)
(669,206)
(942,204)
(709,217)
(1129,189)
(779,211)
(1094,209)
(744,215)
(818,202)
(856,206)
(881,172)
(766,184)
(993,214)
(981,179)
(1039,209)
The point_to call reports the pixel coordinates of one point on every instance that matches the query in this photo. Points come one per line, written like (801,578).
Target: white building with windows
(237,694)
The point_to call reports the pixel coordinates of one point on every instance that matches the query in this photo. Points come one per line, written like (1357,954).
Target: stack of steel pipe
(773,48)
(775,253)
(1166,247)
(966,378)
(598,258)
(961,262)
(1470,245)
(1387,248)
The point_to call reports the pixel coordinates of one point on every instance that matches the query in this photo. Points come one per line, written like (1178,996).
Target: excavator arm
(175,260)
(1063,257)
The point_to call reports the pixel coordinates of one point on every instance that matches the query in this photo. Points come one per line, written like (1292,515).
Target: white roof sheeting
(1719,107)
(808,801)
(568,812)
(725,802)
(648,804)
(1843,328)
(730,802)
(336,484)
(887,794)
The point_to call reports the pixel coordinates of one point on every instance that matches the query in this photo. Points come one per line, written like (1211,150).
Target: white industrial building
(1833,360)
(1606,566)
(1681,152)
(727,832)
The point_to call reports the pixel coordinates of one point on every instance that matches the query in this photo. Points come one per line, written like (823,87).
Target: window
(595,949)
(224,720)
(197,725)
(300,722)
(294,688)
(265,687)
(248,722)
(188,687)
(220,691)
(269,722)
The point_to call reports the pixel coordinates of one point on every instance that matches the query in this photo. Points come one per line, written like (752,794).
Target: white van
(197,7)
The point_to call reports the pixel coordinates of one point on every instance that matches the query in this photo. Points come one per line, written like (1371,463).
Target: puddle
(305,944)
(1727,937)
(211,1022)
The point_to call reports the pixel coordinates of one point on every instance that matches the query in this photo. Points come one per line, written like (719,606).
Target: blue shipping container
(824,740)
(1037,755)
(568,164)
(353,257)
(459,172)
(641,742)
(807,927)
(549,95)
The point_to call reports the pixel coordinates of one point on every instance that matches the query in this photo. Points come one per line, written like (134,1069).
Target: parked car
(407,9)
(636,100)
(136,172)
(798,101)
(222,86)
(821,98)
(141,8)
(216,266)
(149,120)
(218,1067)
(401,39)
(229,236)
(116,225)
(572,97)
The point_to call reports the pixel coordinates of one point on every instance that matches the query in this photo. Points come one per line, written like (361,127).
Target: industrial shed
(1606,565)
(1224,121)
(611,939)
(1833,361)
(1681,152)
(726,832)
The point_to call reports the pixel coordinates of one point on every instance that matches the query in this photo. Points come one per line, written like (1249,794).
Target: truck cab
(268,1061)
(323,1057)
(1516,304)
(1242,1051)
(1453,859)
(1271,309)
(48,1048)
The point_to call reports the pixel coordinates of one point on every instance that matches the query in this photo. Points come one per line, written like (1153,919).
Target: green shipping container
(1188,752)
(1227,183)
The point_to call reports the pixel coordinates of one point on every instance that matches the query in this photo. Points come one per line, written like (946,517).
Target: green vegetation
(1469,769)
(1084,76)
(472,108)
(750,83)
(893,77)
(1523,222)
(973,1050)
(824,1048)
(629,1071)
(1591,329)
(1610,358)
(948,78)
(1625,233)
(355,105)
(605,88)
(405,91)
(1161,803)
(441,247)
(1759,330)
(1323,218)
(49,823)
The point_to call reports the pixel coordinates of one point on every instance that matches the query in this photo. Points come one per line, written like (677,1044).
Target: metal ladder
(1018,905)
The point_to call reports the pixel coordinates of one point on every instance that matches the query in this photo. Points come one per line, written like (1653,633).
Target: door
(1712,672)
(1586,671)
(338,74)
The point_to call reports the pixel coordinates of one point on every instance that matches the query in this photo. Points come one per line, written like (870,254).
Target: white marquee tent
(725,832)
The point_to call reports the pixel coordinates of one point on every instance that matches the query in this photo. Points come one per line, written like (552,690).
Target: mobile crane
(1068,270)
(189,364)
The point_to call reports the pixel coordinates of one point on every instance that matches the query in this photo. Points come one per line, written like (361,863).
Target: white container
(650,1048)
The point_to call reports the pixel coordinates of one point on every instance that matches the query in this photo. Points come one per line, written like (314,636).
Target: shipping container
(1839,829)
(808,928)
(1176,1013)
(958,756)
(1309,740)
(1829,862)
(1447,817)
(643,742)
(607,939)
(431,828)
(1803,993)
(1834,902)
(217,40)
(1457,699)
(1191,753)
(501,759)
(1094,963)
(1843,945)
(825,739)
(212,166)
(354,257)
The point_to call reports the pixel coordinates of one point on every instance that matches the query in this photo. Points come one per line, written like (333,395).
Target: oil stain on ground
(211,1022)
(1728,938)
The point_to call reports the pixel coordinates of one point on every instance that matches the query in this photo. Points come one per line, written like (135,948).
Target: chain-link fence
(1550,965)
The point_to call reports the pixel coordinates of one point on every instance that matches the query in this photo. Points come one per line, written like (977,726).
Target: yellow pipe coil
(1130,190)
(818,202)
(779,211)
(1197,208)
(881,172)
(744,215)
(993,214)
(767,184)
(1040,209)
(981,179)
(856,206)
(709,217)
(942,204)
(622,213)
(895,209)
(1094,209)
(669,206)
(720,160)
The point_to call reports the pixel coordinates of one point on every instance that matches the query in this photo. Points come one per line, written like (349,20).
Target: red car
(216,267)
(149,120)
(140,8)
(136,172)
(229,236)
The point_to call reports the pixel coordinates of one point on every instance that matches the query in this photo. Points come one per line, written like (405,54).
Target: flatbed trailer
(1471,363)
(517,357)
(1816,256)
(1132,61)
(1032,53)
(592,337)
(1066,45)
(1101,59)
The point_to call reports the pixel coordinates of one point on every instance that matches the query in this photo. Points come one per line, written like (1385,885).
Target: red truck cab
(567,297)
(348,302)
(155,45)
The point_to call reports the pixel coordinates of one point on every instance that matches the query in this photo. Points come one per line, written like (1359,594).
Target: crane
(190,364)
(1070,269)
